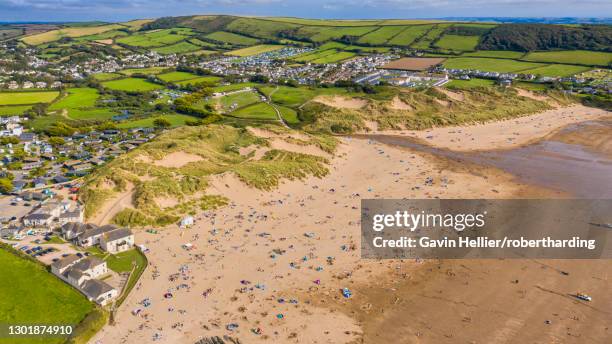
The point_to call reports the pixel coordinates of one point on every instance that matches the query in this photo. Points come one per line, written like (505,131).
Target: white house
(92,236)
(118,240)
(58,268)
(37,220)
(75,215)
(98,291)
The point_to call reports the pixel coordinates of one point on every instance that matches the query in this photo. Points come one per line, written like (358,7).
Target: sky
(121,10)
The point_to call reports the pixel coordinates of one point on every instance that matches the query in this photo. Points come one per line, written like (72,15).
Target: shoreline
(503,134)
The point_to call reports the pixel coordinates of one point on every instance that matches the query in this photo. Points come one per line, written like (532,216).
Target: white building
(116,241)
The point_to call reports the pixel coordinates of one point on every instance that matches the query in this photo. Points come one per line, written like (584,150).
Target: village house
(71,216)
(71,230)
(98,291)
(119,240)
(37,220)
(92,236)
(82,273)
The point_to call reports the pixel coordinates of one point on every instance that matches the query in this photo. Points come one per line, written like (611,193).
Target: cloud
(13,10)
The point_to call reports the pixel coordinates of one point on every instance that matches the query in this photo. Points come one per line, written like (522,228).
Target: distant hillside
(529,37)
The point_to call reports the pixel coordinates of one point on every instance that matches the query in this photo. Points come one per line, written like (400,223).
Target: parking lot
(37,247)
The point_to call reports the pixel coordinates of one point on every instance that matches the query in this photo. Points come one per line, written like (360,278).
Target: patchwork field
(254,50)
(321,34)
(324,56)
(235,101)
(23,98)
(381,35)
(426,40)
(148,71)
(583,57)
(49,300)
(106,76)
(409,35)
(131,85)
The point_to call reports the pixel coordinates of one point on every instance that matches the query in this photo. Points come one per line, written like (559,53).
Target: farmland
(254,50)
(200,79)
(55,35)
(324,56)
(583,57)
(156,38)
(176,76)
(231,38)
(49,300)
(178,48)
(495,54)
(557,70)
(409,35)
(469,84)
(426,40)
(490,65)
(23,98)
(148,71)
(131,85)
(381,35)
(79,104)
(456,42)
(235,101)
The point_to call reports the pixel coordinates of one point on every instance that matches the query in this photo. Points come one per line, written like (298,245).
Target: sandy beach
(270,266)
(503,134)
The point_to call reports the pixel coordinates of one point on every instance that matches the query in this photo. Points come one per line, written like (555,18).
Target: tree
(56,141)
(6,186)
(162,123)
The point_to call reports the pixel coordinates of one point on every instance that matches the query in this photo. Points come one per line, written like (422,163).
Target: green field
(131,85)
(382,35)
(106,76)
(495,53)
(77,98)
(289,115)
(590,58)
(321,34)
(337,57)
(14,110)
(409,35)
(231,38)
(293,97)
(256,111)
(175,119)
(156,38)
(469,84)
(239,100)
(457,42)
(254,50)
(324,56)
(489,64)
(55,35)
(148,71)
(31,295)
(200,79)
(557,70)
(426,40)
(176,76)
(178,48)
(23,98)
(259,28)
(80,104)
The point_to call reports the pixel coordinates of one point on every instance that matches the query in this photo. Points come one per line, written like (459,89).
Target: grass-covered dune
(150,174)
(392,108)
